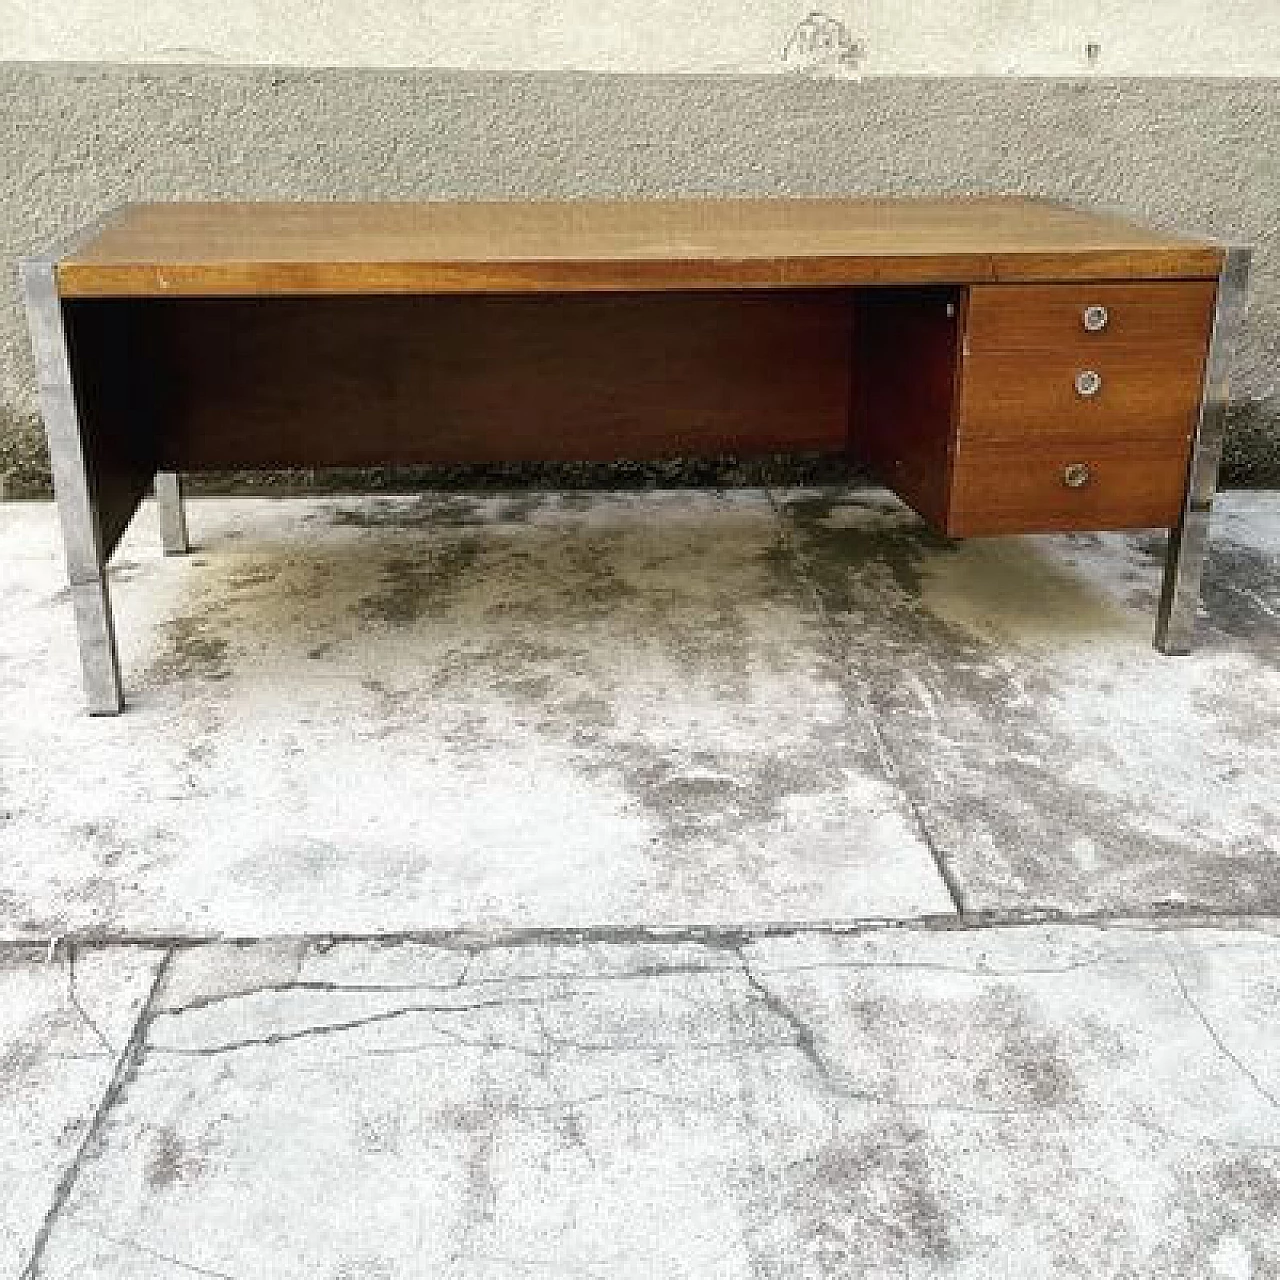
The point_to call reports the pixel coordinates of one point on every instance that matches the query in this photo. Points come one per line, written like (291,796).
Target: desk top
(190,249)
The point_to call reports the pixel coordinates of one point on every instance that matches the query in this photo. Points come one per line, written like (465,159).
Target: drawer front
(1143,391)
(1088,318)
(1080,484)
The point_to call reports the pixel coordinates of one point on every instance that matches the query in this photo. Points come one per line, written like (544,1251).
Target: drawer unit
(1141,391)
(1085,318)
(1016,487)
(1077,405)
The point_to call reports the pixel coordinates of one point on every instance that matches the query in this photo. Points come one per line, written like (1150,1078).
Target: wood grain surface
(196,249)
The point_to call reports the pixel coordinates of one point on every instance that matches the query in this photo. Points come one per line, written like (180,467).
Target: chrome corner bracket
(1189,538)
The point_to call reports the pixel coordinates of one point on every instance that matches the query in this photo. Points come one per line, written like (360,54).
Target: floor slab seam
(718,937)
(127,1061)
(884,749)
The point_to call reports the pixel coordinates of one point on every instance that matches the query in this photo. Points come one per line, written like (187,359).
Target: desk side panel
(115,370)
(905,369)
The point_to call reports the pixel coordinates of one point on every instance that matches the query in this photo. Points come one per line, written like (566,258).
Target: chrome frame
(1189,538)
(72,480)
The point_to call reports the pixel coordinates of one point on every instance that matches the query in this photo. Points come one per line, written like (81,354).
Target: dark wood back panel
(364,381)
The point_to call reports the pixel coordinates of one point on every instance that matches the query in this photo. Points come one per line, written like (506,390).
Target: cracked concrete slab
(1056,759)
(363,716)
(1049,1101)
(65,1019)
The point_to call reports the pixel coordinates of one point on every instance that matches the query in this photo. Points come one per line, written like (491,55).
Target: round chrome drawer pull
(1076,475)
(1088,382)
(1095,318)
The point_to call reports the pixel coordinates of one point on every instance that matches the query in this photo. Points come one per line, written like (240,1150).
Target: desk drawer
(1089,318)
(1140,391)
(1069,484)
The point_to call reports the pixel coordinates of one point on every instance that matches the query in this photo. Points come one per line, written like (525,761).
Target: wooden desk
(1006,366)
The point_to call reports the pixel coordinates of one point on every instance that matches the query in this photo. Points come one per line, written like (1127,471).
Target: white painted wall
(849,37)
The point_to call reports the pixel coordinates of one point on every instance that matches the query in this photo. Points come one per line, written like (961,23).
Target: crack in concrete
(457,984)
(565,1044)
(304,984)
(1144,1121)
(191,1268)
(126,1063)
(335,1028)
(82,1013)
(607,1095)
(602,1270)
(926,966)
(1227,1052)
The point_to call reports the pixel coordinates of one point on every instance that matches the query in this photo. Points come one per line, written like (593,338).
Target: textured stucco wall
(1196,153)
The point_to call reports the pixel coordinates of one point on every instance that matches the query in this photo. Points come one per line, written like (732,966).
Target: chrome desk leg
(173,516)
(1189,539)
(77,506)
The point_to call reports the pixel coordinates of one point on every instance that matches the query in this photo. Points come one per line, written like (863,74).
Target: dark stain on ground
(363,1269)
(999,784)
(249,576)
(1030,1065)
(865,1202)
(419,586)
(429,510)
(1012,1057)
(102,837)
(21,1061)
(1252,1183)
(562,578)
(715,797)
(195,648)
(1218,1200)
(169,1160)
(886,541)
(518,509)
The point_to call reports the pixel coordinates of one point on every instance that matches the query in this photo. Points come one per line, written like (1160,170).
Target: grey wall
(1198,153)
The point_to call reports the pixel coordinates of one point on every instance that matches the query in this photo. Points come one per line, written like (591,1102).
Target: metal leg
(91,602)
(1189,539)
(173,516)
(77,508)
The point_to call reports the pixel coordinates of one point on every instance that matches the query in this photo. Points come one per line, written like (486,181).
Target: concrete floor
(650,885)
